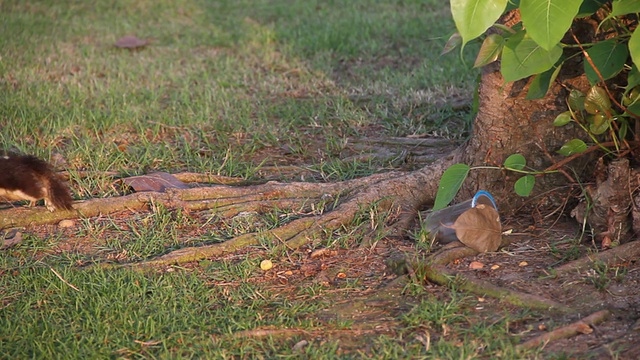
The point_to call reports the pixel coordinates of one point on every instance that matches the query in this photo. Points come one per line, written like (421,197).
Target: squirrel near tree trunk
(25,177)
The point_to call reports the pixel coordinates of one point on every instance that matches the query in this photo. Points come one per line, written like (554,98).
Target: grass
(224,87)
(220,83)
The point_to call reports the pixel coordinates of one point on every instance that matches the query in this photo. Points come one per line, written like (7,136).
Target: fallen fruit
(266,265)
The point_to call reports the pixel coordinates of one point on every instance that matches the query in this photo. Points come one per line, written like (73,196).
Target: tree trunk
(508,124)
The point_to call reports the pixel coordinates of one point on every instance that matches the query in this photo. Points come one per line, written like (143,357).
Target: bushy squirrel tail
(58,196)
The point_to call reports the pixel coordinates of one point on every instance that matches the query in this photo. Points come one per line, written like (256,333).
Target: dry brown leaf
(479,228)
(323,252)
(299,346)
(66,223)
(11,238)
(158,181)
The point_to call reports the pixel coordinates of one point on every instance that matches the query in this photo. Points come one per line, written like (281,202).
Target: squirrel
(25,177)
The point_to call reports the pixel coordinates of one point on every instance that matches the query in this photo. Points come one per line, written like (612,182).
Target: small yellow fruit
(266,265)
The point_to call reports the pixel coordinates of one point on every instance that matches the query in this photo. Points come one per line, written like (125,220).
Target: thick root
(583,326)
(386,192)
(625,253)
(442,276)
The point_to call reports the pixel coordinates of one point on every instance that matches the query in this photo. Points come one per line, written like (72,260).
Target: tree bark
(508,124)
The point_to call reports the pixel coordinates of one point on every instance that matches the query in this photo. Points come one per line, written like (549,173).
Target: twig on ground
(63,280)
(579,327)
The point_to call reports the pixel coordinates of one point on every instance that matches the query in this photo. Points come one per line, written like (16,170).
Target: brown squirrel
(25,177)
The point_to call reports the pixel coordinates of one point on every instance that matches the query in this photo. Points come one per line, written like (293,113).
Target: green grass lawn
(222,88)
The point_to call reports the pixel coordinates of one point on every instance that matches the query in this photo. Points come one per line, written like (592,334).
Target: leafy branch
(453,178)
(536,46)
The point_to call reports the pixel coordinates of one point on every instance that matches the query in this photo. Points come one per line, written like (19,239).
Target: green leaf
(523,57)
(547,21)
(563,119)
(634,47)
(571,147)
(450,183)
(524,185)
(589,7)
(601,128)
(474,17)
(576,100)
(633,79)
(454,41)
(608,57)
(515,161)
(624,7)
(541,83)
(633,108)
(597,100)
(624,126)
(490,50)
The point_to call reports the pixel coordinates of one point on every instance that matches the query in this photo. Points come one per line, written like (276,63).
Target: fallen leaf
(11,238)
(479,228)
(158,181)
(476,265)
(66,223)
(323,252)
(495,267)
(299,346)
(523,264)
(445,329)
(130,42)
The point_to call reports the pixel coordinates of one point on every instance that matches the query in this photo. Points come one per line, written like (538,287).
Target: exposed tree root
(288,333)
(579,327)
(451,252)
(292,332)
(385,191)
(405,192)
(624,253)
(442,276)
(189,177)
(227,200)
